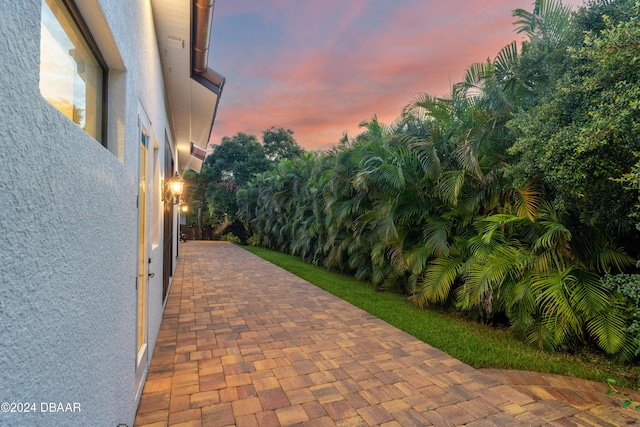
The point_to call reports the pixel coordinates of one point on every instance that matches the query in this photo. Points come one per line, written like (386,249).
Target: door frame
(143,244)
(168,226)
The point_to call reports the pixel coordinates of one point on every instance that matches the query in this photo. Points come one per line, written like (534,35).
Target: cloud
(322,68)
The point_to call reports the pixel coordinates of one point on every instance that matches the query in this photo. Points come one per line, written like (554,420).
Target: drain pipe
(202,18)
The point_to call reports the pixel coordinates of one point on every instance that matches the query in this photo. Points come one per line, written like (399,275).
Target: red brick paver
(246,343)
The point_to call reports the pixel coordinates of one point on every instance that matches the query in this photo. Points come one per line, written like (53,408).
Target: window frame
(83,28)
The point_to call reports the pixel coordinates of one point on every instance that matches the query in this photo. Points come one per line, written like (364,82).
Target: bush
(629,286)
(254,240)
(230,237)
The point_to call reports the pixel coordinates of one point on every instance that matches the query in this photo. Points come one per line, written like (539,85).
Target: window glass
(71,77)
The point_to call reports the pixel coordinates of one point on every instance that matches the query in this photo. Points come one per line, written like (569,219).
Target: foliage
(238,158)
(497,201)
(230,237)
(212,192)
(549,21)
(253,241)
(580,132)
(632,180)
(627,402)
(196,186)
(279,144)
(628,287)
(69,109)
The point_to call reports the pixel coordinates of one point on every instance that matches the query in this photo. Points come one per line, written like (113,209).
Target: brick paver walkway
(245,343)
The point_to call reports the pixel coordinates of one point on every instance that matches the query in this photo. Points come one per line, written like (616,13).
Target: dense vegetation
(513,200)
(478,345)
(211,193)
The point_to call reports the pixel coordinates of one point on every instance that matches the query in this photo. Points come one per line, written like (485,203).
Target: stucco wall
(68,227)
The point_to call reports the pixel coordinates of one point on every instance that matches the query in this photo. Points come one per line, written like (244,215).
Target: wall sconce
(184,207)
(175,187)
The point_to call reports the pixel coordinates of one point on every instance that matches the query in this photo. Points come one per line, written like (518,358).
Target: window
(73,74)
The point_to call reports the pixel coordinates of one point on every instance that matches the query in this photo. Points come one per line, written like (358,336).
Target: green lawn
(478,345)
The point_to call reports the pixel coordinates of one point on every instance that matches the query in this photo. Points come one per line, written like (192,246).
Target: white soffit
(192,105)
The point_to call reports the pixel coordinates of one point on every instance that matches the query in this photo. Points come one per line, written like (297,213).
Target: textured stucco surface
(68,227)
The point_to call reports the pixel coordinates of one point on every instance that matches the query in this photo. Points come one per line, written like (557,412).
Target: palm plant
(551,294)
(343,206)
(309,234)
(550,20)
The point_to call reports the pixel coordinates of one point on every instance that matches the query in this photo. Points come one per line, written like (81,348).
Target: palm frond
(554,234)
(608,256)
(521,305)
(450,184)
(490,273)
(474,78)
(549,20)
(438,281)
(504,61)
(417,258)
(555,299)
(528,200)
(607,327)
(436,234)
(540,335)
(591,296)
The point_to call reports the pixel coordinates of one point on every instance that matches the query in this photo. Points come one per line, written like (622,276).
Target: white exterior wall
(68,223)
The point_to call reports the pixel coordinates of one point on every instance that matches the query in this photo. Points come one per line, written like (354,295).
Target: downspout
(202,19)
(203,16)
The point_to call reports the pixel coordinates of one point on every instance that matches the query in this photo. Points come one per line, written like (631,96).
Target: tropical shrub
(627,288)
(230,237)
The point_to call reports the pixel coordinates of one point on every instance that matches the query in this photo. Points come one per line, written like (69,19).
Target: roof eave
(193,88)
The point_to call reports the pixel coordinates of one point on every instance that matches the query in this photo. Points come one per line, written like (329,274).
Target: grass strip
(477,345)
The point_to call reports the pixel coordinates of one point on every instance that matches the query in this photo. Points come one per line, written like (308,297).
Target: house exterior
(102,101)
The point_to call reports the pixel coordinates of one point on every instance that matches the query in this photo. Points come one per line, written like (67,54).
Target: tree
(238,158)
(229,167)
(581,131)
(234,162)
(196,192)
(279,144)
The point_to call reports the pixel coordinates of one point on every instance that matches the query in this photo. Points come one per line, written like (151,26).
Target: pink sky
(322,67)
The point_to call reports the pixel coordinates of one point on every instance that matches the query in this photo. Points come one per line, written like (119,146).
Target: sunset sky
(322,67)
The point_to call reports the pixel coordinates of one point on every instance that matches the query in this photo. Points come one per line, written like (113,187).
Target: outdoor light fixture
(184,208)
(175,186)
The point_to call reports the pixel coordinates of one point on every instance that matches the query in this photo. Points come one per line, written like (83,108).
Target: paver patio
(246,343)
